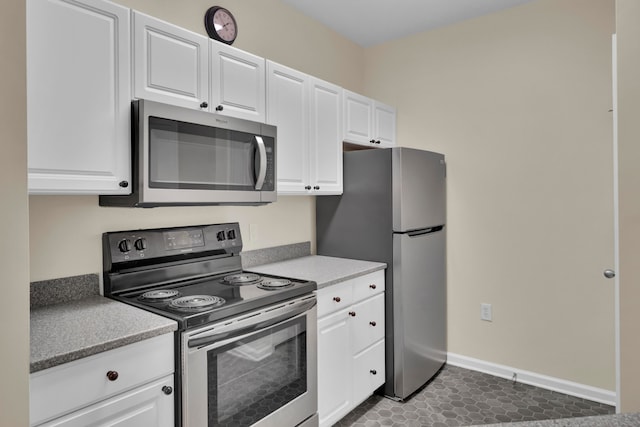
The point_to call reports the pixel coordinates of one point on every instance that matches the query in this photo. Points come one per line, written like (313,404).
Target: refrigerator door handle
(415,233)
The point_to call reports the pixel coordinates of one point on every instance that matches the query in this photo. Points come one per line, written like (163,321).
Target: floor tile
(461,397)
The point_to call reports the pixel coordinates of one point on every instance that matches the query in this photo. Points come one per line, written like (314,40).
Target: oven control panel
(141,245)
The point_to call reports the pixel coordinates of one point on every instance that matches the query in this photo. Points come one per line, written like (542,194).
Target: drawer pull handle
(112,375)
(373,372)
(372,323)
(336,299)
(372,286)
(167,390)
(352,313)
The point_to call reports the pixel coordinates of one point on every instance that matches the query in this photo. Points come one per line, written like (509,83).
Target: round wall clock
(221,25)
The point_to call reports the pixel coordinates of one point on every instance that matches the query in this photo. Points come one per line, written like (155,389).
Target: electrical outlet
(485,312)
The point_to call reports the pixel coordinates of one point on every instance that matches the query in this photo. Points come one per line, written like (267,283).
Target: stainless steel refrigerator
(393,210)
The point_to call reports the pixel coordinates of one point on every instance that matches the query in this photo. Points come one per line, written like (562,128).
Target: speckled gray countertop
(80,323)
(618,420)
(324,270)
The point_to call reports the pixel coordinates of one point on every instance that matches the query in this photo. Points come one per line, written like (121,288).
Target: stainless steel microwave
(186,157)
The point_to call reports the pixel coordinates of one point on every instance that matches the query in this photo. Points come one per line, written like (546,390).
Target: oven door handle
(241,328)
(262,171)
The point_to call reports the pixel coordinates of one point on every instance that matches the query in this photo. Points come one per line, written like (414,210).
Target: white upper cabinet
(288,104)
(171,64)
(308,114)
(368,122)
(78,97)
(325,122)
(238,83)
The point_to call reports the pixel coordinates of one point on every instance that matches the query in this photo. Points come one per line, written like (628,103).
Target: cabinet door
(367,324)
(325,142)
(287,94)
(334,368)
(384,121)
(149,405)
(78,97)
(368,372)
(238,82)
(171,64)
(358,116)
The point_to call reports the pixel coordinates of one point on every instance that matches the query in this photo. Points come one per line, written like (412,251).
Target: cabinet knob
(378,142)
(352,313)
(317,187)
(123,184)
(219,108)
(336,299)
(112,375)
(373,372)
(204,105)
(372,323)
(307,187)
(373,141)
(372,286)
(167,390)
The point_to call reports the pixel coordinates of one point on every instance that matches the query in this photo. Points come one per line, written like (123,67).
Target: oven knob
(231,234)
(167,390)
(124,245)
(220,236)
(140,244)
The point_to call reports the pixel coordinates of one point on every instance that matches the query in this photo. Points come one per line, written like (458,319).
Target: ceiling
(371,22)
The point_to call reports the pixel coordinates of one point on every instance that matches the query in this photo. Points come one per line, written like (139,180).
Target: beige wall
(65,231)
(14,214)
(518,102)
(628,35)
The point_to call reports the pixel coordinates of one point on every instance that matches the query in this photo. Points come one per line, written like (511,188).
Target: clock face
(225,25)
(221,25)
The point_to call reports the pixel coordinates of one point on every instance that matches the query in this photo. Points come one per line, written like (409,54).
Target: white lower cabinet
(128,386)
(143,406)
(351,361)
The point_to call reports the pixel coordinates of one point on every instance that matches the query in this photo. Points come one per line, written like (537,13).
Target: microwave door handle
(262,172)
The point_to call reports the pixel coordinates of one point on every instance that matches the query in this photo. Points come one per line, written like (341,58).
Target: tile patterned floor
(460,397)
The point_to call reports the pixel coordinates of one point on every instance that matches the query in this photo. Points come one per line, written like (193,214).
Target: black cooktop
(192,274)
(202,301)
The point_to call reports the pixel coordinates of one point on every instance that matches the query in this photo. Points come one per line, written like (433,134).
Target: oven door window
(193,156)
(253,377)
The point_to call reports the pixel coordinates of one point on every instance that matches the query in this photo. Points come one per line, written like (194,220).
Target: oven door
(258,369)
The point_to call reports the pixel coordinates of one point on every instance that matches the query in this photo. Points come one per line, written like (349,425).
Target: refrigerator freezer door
(419,309)
(419,189)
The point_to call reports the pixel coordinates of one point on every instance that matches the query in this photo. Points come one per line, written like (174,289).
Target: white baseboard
(595,394)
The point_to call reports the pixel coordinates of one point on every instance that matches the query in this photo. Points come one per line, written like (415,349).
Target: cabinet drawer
(368,285)
(65,388)
(335,297)
(367,323)
(148,405)
(368,372)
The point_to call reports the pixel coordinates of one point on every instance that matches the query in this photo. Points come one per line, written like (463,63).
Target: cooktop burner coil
(242,279)
(196,302)
(274,284)
(159,295)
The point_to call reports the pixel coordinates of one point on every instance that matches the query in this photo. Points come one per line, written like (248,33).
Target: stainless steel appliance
(393,210)
(188,157)
(246,344)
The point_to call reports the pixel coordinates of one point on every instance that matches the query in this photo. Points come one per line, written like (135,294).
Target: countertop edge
(351,276)
(57,360)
